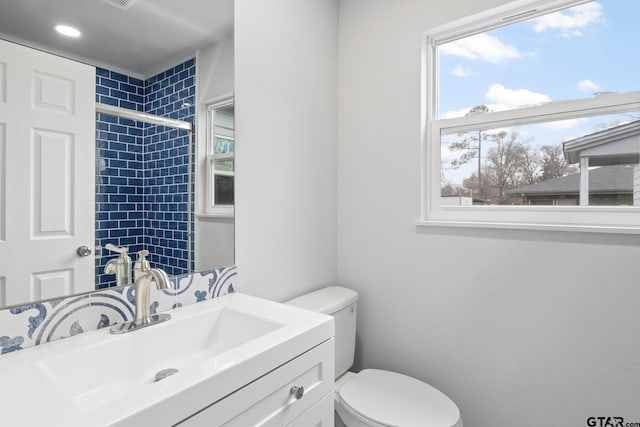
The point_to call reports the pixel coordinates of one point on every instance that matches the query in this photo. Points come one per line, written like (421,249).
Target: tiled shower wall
(142,194)
(170,94)
(120,209)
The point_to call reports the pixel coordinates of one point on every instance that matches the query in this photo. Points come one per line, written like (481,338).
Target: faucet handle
(121,250)
(142,264)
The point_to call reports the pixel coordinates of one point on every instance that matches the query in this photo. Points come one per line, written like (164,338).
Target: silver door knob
(297,391)
(84,251)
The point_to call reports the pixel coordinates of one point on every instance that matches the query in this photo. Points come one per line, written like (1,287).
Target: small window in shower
(221,158)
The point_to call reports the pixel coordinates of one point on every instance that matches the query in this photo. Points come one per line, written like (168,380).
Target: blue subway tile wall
(167,195)
(119,171)
(120,90)
(167,175)
(143,199)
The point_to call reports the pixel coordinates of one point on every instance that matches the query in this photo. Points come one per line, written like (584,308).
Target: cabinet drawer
(268,400)
(319,415)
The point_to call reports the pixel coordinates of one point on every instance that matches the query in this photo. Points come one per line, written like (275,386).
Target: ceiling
(141,40)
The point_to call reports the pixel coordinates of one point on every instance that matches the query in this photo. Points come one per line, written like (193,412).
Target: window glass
(573,53)
(224,190)
(539,163)
(223,130)
(221,158)
(224,165)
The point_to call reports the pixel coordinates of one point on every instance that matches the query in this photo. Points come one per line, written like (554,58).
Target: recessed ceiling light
(67,30)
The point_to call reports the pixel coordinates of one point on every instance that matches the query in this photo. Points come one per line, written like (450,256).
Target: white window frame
(608,219)
(210,207)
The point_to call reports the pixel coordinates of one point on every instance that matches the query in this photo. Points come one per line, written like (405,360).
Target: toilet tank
(340,303)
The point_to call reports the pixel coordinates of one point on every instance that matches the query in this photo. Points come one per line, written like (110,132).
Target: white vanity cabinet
(319,415)
(236,359)
(271,400)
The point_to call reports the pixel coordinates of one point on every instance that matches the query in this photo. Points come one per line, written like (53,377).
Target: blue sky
(564,55)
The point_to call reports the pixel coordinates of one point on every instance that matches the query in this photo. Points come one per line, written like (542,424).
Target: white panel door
(47,169)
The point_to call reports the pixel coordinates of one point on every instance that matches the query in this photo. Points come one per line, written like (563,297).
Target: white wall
(520,328)
(286,131)
(214,236)
(215,72)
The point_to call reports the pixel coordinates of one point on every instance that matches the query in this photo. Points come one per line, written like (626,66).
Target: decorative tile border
(35,324)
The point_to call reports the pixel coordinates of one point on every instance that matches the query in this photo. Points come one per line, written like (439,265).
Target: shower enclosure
(144,189)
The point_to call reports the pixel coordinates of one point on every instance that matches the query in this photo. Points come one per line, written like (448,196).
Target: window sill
(529,226)
(215,215)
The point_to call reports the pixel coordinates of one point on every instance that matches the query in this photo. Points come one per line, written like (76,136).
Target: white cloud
(461,71)
(455,113)
(588,86)
(570,21)
(507,99)
(502,99)
(481,46)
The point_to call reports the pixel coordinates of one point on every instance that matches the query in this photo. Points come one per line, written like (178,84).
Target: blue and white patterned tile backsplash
(35,324)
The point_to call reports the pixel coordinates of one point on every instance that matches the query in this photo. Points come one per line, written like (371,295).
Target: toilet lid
(393,399)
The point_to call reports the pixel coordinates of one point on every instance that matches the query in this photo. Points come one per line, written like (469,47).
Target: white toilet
(374,398)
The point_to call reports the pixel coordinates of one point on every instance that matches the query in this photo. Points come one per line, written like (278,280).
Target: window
(532,118)
(220,158)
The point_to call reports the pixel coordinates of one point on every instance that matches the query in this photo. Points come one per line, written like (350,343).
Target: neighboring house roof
(608,179)
(614,146)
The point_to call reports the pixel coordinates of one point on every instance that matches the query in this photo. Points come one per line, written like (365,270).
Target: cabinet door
(268,401)
(319,415)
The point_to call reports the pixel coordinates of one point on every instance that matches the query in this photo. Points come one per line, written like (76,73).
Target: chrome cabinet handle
(297,391)
(83,251)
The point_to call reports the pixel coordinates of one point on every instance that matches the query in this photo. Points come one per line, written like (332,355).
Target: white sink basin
(97,378)
(178,344)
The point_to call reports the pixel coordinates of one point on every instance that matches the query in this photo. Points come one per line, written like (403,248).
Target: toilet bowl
(381,398)
(373,397)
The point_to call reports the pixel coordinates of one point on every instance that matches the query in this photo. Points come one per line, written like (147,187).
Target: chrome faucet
(142,286)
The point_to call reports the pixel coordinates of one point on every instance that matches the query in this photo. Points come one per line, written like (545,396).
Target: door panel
(50,284)
(53,92)
(52,184)
(47,184)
